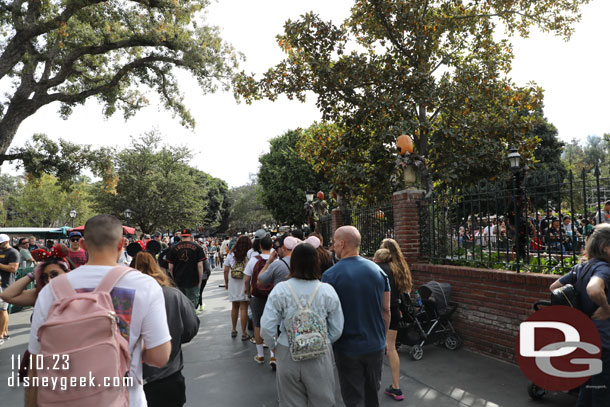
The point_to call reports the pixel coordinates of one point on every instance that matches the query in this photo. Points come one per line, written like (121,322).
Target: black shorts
(167,392)
(257,305)
(394,318)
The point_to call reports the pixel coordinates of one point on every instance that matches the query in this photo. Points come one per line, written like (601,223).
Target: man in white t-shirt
(489,233)
(139,300)
(257,302)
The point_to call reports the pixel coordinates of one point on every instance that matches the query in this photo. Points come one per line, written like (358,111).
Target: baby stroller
(429,322)
(537,392)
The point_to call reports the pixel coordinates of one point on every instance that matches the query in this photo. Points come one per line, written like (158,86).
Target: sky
(229,137)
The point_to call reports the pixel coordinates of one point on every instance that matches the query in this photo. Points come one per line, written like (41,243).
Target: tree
(284,178)
(247,213)
(216,201)
(431,69)
(42,202)
(156,183)
(73,50)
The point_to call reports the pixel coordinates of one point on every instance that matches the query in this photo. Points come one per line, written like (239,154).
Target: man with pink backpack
(99,322)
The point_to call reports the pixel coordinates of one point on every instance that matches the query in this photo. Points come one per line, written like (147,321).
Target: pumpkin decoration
(320,195)
(405,145)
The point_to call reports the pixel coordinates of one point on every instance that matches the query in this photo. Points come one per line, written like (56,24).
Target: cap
(157,234)
(260,234)
(291,242)
(75,233)
(185,232)
(4,238)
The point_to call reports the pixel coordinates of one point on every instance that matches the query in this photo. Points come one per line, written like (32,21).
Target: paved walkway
(220,370)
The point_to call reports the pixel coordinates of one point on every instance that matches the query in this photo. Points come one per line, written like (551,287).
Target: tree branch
(389,31)
(80,97)
(11,157)
(67,67)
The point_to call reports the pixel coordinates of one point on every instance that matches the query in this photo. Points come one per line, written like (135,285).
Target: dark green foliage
(284,178)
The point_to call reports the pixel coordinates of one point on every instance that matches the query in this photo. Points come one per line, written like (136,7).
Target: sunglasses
(75,240)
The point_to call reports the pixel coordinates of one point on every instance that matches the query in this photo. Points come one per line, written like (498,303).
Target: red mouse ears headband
(58,252)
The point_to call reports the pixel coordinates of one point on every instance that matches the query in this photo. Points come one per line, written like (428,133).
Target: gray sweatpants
(306,383)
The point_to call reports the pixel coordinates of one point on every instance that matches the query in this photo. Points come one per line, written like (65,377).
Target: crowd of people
(554,232)
(315,309)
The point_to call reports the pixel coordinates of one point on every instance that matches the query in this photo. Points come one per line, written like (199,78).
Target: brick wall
(491,303)
(406,222)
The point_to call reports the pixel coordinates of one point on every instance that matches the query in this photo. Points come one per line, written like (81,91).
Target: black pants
(596,391)
(360,378)
(167,392)
(203,283)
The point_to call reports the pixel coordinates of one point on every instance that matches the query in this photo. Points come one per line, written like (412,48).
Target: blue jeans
(212,260)
(596,391)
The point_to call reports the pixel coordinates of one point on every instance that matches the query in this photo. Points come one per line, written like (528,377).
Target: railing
(375,223)
(525,223)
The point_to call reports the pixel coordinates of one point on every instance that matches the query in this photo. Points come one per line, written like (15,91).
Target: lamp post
(73,216)
(514,159)
(127,215)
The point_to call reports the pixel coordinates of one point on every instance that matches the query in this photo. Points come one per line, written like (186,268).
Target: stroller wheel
(417,352)
(535,392)
(453,341)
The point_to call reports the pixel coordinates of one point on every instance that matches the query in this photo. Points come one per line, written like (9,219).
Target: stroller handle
(537,304)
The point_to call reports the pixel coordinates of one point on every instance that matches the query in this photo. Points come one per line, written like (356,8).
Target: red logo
(559,348)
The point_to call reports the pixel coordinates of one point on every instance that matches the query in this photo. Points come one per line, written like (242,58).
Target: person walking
(9,263)
(137,300)
(364,291)
(258,296)
(235,264)
(306,382)
(77,255)
(185,262)
(389,257)
(591,281)
(165,386)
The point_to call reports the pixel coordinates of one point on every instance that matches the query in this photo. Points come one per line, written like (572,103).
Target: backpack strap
(111,278)
(313,295)
(294,295)
(61,287)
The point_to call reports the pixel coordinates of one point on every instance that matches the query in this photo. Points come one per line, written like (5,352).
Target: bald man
(138,301)
(364,291)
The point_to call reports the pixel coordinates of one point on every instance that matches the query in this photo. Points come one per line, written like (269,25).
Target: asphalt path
(220,370)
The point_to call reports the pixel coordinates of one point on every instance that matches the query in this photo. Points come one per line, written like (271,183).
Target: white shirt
(252,262)
(139,296)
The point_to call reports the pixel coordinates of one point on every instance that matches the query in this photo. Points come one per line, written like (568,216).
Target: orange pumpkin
(320,195)
(405,144)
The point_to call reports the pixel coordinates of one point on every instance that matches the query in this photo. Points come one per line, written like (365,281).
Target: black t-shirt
(185,256)
(8,256)
(394,294)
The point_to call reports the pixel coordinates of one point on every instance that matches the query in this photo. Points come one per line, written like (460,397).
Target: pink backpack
(84,327)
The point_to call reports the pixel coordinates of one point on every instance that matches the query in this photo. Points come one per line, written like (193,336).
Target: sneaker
(396,394)
(273,363)
(1,341)
(198,312)
(259,359)
(202,307)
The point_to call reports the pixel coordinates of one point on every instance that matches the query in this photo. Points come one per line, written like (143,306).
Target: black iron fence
(375,223)
(524,223)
